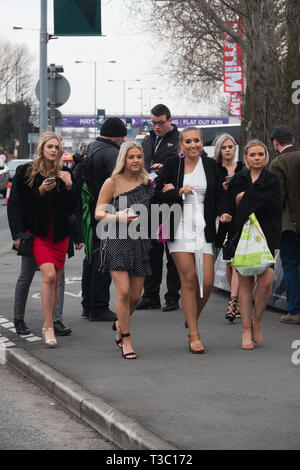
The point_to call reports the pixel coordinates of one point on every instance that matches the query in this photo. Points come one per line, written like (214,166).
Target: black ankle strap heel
(125,335)
(129,355)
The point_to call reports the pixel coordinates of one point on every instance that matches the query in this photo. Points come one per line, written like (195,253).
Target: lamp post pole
(124,91)
(95,62)
(43,68)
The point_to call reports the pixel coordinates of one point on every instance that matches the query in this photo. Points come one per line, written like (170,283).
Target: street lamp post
(44,38)
(141,97)
(95,62)
(124,91)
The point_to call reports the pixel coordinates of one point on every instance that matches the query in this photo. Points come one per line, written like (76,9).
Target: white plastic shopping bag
(252,255)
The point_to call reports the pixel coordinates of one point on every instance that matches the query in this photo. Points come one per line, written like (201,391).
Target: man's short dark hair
(285,139)
(161,110)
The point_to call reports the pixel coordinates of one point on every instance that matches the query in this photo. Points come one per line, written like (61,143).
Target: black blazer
(215,202)
(262,197)
(36,209)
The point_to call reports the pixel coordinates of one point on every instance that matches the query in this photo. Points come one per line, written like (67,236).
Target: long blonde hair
(38,165)
(120,163)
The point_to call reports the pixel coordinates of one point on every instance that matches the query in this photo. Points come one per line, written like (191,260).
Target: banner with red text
(233,69)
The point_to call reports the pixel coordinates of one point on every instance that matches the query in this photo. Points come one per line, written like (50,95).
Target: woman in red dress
(48,197)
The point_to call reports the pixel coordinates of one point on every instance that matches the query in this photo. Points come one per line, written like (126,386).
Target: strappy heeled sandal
(231,310)
(49,341)
(118,341)
(132,353)
(237,309)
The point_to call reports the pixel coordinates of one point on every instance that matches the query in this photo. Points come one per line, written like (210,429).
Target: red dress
(45,250)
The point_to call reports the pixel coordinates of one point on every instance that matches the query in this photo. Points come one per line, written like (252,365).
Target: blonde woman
(225,150)
(126,255)
(48,196)
(256,190)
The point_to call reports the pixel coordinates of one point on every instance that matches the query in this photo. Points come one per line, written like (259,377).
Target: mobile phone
(228,178)
(50,180)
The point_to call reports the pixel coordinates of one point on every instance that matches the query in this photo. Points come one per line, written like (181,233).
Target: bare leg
(121,281)
(192,304)
(262,295)
(233,280)
(49,296)
(48,292)
(245,301)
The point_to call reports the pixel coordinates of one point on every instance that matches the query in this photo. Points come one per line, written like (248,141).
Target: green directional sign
(100,118)
(77,17)
(129,127)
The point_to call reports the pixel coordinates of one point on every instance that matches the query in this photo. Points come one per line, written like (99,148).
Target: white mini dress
(190,237)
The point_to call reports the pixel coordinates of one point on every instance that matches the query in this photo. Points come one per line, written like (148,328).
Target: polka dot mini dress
(128,245)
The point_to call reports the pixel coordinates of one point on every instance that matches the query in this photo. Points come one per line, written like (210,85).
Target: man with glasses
(162,144)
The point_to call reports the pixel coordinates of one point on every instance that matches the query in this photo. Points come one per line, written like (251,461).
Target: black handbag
(99,256)
(26,243)
(229,246)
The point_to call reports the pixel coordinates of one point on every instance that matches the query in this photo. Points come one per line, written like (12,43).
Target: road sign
(54,116)
(62,90)
(146,126)
(77,17)
(129,127)
(100,118)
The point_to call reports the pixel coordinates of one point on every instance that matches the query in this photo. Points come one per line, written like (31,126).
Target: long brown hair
(38,165)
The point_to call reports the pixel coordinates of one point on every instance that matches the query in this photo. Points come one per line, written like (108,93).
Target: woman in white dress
(192,181)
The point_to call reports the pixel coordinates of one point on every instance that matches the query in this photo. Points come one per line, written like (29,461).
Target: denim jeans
(152,283)
(290,259)
(28,268)
(95,289)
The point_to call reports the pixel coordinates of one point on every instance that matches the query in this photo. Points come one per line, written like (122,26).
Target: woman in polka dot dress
(122,208)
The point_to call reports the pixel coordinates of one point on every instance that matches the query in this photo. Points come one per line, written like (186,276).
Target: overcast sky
(135,55)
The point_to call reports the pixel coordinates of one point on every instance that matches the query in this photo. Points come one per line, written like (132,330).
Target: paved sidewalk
(225,399)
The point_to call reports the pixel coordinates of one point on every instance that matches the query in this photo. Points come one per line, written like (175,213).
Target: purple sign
(137,121)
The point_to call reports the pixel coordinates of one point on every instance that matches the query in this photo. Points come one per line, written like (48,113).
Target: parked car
(4,176)
(13,164)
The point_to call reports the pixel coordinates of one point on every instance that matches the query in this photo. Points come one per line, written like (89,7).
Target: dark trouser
(95,289)
(290,259)
(152,283)
(28,268)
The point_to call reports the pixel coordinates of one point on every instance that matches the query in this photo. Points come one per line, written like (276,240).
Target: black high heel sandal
(132,353)
(118,341)
(231,310)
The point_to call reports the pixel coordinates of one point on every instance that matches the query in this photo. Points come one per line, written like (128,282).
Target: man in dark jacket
(287,167)
(162,144)
(103,152)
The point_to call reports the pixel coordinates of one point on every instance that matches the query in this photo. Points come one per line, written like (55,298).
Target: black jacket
(28,210)
(223,171)
(261,197)
(215,202)
(104,162)
(223,228)
(169,147)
